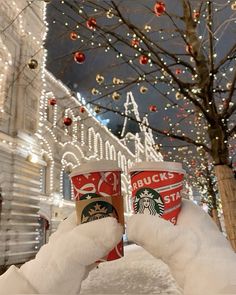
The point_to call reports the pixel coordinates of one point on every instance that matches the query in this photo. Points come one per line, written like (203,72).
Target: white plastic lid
(95,166)
(158,166)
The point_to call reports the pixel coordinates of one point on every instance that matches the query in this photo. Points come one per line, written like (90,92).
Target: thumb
(91,241)
(175,245)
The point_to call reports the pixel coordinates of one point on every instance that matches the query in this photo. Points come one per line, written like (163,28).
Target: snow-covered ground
(136,273)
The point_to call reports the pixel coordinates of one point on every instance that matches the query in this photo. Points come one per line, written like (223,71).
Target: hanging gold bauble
(32,64)
(94,91)
(115,95)
(143,89)
(178,95)
(110,13)
(97,109)
(99,79)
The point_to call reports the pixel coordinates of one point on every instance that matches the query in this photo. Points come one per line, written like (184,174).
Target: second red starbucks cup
(156,188)
(97,193)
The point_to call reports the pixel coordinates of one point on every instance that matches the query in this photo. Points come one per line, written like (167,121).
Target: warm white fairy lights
(67,166)
(98,142)
(112,153)
(5,64)
(50,131)
(99,145)
(107,149)
(91,140)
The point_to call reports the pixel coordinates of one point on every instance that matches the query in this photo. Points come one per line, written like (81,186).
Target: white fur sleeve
(198,255)
(13,282)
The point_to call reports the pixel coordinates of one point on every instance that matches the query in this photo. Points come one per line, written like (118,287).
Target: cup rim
(158,166)
(100,166)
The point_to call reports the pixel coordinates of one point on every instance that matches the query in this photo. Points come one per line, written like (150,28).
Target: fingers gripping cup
(156,188)
(97,193)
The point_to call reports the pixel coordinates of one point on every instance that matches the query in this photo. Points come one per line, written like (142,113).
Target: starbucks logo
(97,210)
(148,201)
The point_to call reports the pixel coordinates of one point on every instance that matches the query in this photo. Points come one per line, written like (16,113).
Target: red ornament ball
(91,23)
(178,71)
(79,57)
(67,121)
(159,8)
(82,109)
(143,59)
(152,108)
(52,101)
(134,42)
(196,15)
(73,36)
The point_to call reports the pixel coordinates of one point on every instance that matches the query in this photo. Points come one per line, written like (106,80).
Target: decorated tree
(200,173)
(182,53)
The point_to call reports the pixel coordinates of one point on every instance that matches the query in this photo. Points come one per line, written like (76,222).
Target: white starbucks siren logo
(148,201)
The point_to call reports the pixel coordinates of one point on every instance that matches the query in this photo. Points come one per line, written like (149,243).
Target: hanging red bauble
(152,108)
(79,57)
(159,8)
(134,42)
(52,101)
(91,23)
(73,36)
(67,121)
(178,71)
(196,15)
(143,59)
(82,109)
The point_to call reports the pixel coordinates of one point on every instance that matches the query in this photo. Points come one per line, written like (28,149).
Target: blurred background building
(45,131)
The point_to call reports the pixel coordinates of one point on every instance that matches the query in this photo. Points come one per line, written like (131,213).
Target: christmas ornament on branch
(52,101)
(91,23)
(153,108)
(67,121)
(73,36)
(32,64)
(79,57)
(82,109)
(159,8)
(143,59)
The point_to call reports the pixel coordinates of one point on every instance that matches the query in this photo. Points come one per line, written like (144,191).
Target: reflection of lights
(78,96)
(205,207)
(33,158)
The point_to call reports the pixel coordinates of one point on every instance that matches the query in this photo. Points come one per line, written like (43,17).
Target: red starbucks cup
(156,188)
(97,193)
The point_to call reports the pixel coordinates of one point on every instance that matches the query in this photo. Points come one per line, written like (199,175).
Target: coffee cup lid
(158,166)
(95,166)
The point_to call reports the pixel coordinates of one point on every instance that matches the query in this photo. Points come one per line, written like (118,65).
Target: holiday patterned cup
(97,192)
(156,188)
